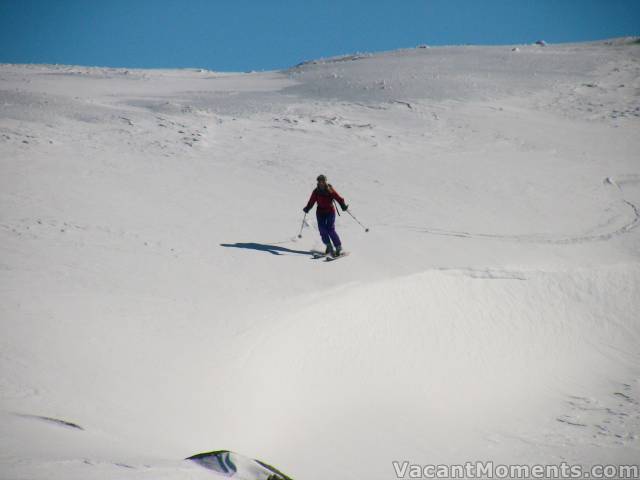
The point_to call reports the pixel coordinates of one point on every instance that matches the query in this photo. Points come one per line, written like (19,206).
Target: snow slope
(155,295)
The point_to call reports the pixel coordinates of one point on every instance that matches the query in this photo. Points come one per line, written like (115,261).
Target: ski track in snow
(631,224)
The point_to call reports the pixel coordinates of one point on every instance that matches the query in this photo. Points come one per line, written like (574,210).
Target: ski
(331,259)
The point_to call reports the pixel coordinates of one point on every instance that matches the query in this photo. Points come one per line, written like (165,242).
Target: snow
(155,293)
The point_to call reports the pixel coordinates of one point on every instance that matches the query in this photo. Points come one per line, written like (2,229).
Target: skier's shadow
(272,249)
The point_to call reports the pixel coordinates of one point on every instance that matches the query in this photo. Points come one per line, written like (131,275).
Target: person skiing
(324,194)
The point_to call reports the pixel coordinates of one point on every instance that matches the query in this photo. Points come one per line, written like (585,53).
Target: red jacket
(325,199)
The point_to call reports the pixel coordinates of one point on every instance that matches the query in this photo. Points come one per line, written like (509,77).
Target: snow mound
(442,364)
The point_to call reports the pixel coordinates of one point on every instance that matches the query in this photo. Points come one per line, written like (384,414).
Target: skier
(325,195)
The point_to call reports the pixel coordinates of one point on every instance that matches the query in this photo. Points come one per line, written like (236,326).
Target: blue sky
(238,35)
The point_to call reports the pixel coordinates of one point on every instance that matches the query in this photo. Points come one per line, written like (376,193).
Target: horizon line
(629,38)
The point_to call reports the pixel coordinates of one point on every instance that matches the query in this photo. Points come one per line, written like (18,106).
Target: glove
(306,209)
(344,207)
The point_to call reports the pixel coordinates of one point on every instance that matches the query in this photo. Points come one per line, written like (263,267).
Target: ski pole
(352,216)
(302,226)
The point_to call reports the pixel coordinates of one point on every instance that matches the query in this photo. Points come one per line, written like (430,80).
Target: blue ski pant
(326,225)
